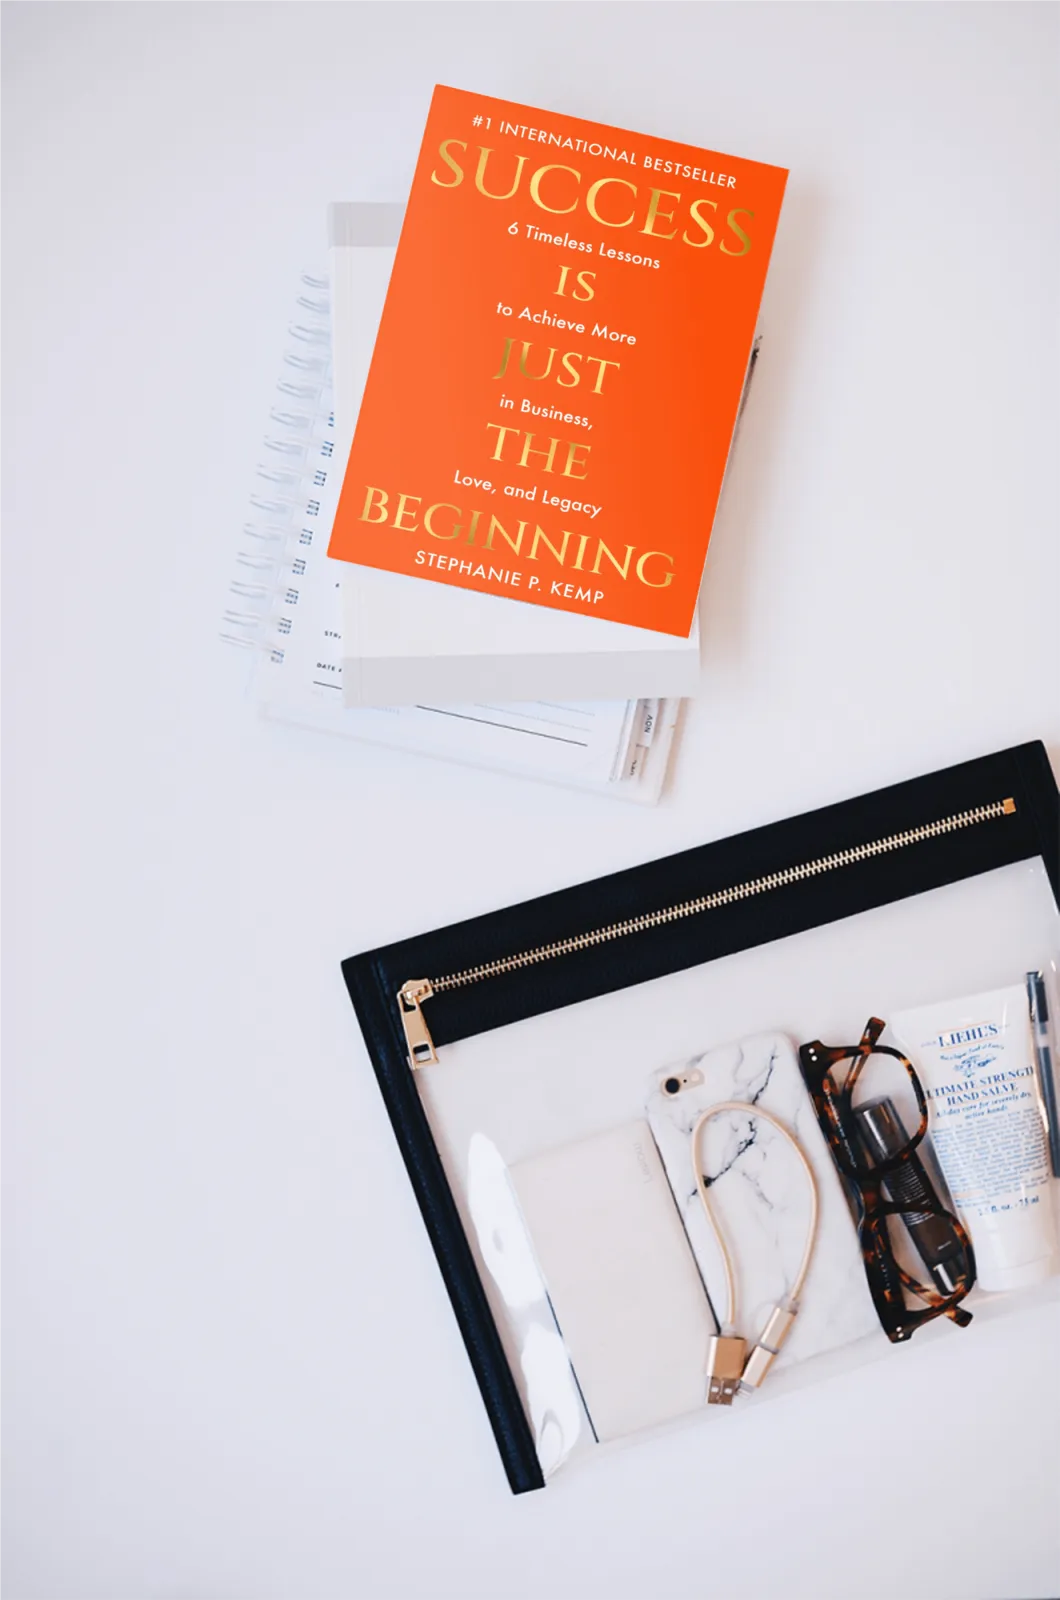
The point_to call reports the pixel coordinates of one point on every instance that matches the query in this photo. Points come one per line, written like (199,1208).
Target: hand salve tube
(975,1059)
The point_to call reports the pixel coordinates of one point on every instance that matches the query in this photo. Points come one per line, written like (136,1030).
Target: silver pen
(1043,1056)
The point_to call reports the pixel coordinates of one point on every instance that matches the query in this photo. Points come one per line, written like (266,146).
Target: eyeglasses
(886,1178)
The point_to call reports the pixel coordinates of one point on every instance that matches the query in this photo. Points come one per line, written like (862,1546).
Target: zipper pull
(417,1036)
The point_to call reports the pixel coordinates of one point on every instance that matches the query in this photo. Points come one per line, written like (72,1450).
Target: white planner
(285,608)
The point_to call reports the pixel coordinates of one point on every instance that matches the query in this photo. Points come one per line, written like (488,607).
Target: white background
(231,1366)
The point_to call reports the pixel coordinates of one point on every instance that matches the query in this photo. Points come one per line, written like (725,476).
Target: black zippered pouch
(530,1028)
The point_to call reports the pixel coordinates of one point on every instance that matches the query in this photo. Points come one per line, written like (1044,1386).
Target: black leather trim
(374,978)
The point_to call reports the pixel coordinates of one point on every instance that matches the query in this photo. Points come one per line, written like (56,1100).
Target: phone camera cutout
(675,1082)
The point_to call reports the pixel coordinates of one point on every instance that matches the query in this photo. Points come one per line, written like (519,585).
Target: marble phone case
(760,1196)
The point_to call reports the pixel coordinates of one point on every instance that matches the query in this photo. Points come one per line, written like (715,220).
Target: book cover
(559,365)
(407,642)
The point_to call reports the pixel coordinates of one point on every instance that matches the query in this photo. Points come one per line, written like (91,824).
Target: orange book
(560,361)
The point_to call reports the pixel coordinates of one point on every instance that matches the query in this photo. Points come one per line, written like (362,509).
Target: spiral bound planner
(284,607)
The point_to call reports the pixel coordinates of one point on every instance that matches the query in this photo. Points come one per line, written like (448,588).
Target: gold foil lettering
(540,537)
(667,578)
(535,189)
(531,450)
(573,461)
(400,512)
(495,527)
(621,567)
(443,151)
(653,212)
(381,505)
(480,175)
(590,201)
(602,365)
(740,211)
(536,376)
(582,280)
(441,505)
(702,222)
(501,433)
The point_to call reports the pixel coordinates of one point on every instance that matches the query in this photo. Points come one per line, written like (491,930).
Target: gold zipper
(411,995)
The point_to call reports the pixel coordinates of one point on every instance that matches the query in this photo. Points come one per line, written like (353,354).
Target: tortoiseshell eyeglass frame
(833,1103)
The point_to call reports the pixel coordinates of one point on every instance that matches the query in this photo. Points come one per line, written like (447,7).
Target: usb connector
(765,1351)
(725,1362)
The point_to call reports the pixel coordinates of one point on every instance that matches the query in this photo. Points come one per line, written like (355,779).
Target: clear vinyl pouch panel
(567,1141)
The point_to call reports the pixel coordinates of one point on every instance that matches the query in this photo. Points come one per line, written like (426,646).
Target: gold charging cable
(729,1368)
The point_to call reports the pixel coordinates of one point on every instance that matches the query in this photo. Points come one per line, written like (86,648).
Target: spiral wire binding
(287,520)
(289,484)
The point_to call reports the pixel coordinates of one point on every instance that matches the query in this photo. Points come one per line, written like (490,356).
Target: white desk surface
(231,1367)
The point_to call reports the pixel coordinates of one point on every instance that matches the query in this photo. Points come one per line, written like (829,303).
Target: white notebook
(407,637)
(285,607)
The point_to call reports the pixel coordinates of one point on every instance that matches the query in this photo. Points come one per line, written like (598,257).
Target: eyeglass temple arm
(871,1037)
